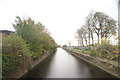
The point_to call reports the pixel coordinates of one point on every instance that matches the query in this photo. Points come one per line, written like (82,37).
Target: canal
(64,65)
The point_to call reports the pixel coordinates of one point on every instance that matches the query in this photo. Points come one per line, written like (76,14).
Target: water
(64,65)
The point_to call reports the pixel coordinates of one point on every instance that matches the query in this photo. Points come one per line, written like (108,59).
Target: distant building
(5,32)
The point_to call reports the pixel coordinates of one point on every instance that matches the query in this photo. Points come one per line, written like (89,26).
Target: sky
(61,17)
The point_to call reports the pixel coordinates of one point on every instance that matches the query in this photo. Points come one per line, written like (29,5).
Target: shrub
(9,63)
(14,50)
(14,44)
(106,50)
(35,34)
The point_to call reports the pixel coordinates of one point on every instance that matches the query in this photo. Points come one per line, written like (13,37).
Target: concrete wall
(107,66)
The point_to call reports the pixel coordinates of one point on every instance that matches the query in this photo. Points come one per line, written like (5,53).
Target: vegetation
(64,45)
(106,50)
(30,41)
(35,34)
(97,24)
(14,50)
(101,26)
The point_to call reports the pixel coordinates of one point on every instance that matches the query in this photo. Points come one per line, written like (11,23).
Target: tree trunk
(82,42)
(86,41)
(89,39)
(78,43)
(92,40)
(98,38)
(105,38)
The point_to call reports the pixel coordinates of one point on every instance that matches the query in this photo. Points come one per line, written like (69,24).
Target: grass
(90,52)
(110,55)
(87,51)
(78,50)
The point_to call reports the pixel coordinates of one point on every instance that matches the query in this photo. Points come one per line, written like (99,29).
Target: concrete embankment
(109,66)
(25,67)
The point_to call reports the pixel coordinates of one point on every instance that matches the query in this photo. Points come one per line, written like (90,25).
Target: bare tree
(97,23)
(104,26)
(99,20)
(82,35)
(89,27)
(110,28)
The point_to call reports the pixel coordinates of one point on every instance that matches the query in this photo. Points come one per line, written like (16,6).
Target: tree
(110,28)
(35,34)
(69,43)
(82,35)
(84,32)
(99,22)
(103,25)
(89,27)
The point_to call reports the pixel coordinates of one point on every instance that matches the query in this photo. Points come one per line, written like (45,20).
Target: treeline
(97,24)
(30,41)
(100,27)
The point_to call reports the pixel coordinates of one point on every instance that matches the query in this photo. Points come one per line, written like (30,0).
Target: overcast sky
(61,17)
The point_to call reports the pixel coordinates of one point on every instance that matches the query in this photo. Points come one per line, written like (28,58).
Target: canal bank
(26,66)
(64,65)
(106,65)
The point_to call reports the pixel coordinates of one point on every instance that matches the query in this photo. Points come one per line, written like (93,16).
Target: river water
(64,65)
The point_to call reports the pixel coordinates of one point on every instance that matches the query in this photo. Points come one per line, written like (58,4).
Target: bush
(14,50)
(35,56)
(9,63)
(31,41)
(64,45)
(14,44)
(106,50)
(35,34)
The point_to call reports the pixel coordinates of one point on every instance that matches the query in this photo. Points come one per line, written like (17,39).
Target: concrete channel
(64,65)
